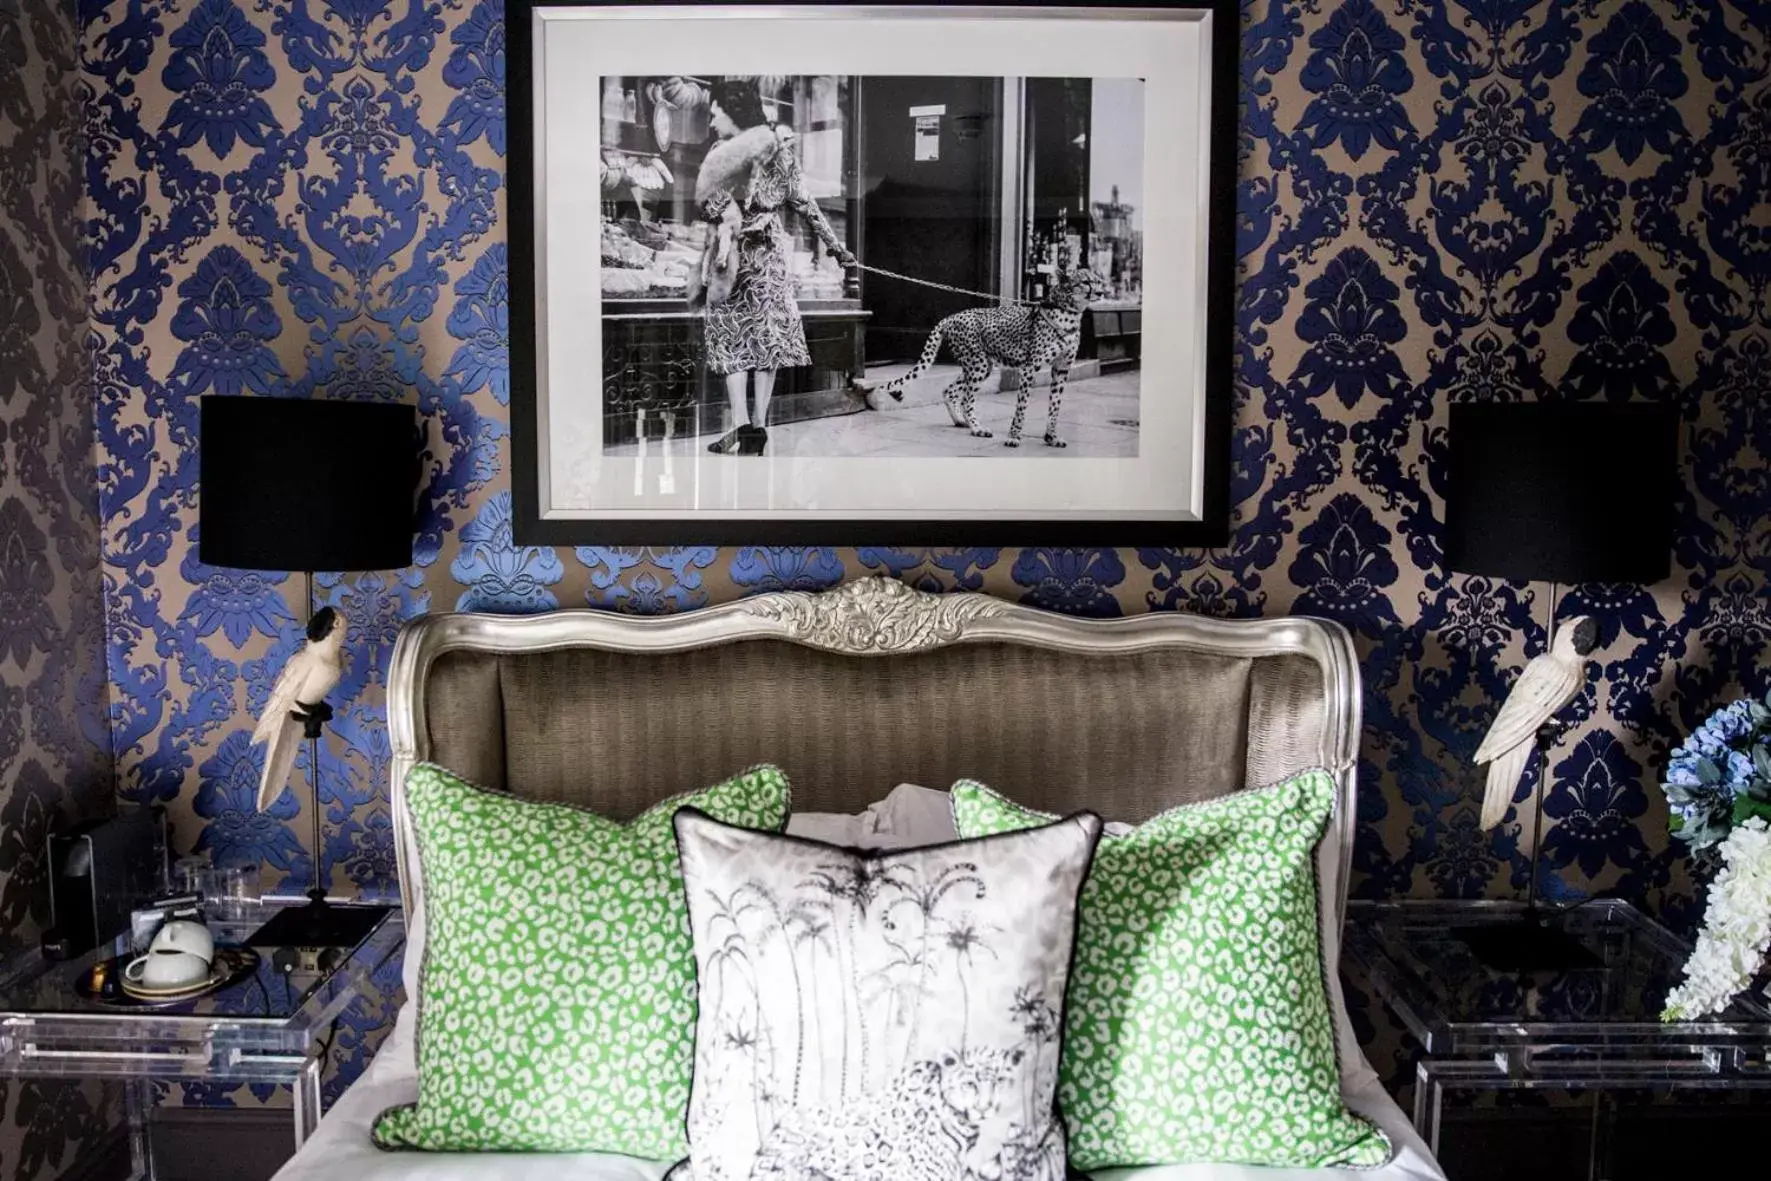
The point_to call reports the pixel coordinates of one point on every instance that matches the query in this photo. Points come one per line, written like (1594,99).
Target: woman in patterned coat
(753,325)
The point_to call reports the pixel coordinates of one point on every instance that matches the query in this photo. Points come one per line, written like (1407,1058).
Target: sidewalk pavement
(1099,420)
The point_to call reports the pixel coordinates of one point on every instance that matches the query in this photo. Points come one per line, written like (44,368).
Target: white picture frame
(578,76)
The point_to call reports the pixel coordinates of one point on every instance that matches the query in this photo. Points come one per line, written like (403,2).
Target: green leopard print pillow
(556,1001)
(1198,1026)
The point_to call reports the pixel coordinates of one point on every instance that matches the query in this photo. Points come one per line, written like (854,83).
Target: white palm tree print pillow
(879,1016)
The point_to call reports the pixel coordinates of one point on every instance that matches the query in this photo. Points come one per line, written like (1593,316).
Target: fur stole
(726,168)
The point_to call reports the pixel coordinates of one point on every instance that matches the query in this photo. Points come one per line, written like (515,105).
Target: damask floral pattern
(1359,76)
(235,832)
(27,620)
(499,574)
(1440,200)
(20,363)
(219,72)
(667,579)
(1622,326)
(1352,324)
(55,761)
(226,321)
(1634,77)
(481,321)
(1595,810)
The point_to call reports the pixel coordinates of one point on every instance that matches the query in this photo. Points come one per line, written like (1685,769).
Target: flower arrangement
(1722,775)
(1736,927)
(1718,788)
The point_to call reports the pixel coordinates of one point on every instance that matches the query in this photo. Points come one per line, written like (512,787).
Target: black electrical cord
(326,1043)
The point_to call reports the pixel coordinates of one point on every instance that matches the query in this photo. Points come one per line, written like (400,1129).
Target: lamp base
(319,924)
(1529,945)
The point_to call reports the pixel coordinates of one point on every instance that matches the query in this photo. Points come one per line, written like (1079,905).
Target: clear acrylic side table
(264,1029)
(1594,1026)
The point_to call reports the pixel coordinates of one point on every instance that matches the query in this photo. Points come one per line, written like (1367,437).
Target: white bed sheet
(341,1148)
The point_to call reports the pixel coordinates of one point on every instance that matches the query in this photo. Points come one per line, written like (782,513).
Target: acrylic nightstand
(1592,1026)
(264,1029)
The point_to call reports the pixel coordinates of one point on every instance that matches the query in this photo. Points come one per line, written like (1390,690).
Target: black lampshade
(306,484)
(1559,491)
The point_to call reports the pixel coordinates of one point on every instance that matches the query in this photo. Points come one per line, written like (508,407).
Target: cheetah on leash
(1026,338)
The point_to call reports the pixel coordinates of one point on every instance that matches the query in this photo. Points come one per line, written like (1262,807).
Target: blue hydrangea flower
(1721,773)
(1725,728)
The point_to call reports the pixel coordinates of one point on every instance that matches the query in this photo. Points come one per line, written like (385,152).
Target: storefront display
(656,132)
(1117,248)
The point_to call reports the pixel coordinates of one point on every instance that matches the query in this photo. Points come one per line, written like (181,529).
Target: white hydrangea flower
(1736,927)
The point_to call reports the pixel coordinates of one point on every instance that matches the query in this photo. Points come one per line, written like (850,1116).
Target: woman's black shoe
(733,442)
(755,440)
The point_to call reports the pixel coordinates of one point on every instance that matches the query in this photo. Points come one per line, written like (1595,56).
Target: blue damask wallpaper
(55,762)
(1440,200)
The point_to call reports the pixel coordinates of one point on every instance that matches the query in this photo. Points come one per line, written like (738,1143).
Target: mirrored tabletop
(49,1007)
(1433,964)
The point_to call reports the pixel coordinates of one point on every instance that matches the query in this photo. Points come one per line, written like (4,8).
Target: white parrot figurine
(1549,682)
(300,695)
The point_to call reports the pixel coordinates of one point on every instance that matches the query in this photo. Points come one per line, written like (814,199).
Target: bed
(851,692)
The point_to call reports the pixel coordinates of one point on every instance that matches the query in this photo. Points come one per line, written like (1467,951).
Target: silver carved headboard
(869,685)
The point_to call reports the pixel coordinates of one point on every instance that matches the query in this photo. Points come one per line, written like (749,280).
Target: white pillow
(908,817)
(891,1014)
(833,828)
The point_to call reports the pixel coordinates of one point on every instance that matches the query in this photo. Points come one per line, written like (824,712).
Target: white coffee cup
(179,955)
(185,935)
(167,969)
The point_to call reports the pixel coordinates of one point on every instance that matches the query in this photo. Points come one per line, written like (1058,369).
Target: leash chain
(1026,303)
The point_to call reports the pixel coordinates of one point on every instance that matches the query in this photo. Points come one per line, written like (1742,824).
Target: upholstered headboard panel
(872,685)
(1128,733)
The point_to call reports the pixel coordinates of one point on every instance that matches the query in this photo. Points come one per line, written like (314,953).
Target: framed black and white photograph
(951,275)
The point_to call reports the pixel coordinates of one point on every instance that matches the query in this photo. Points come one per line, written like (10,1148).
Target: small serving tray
(232,964)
